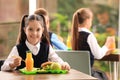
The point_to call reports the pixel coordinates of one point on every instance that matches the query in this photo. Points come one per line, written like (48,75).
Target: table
(116,59)
(111,57)
(72,75)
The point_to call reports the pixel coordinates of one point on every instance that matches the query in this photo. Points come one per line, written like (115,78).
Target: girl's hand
(110,42)
(65,66)
(109,51)
(16,62)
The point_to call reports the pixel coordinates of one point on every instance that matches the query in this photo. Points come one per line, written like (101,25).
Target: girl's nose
(35,33)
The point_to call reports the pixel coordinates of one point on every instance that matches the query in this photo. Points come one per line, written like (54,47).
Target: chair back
(79,60)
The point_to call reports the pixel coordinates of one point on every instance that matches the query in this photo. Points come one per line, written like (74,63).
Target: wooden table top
(72,74)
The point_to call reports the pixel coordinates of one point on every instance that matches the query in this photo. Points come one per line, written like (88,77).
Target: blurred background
(60,12)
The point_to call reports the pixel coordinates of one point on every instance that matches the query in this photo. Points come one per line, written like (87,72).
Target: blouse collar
(33,48)
(84,29)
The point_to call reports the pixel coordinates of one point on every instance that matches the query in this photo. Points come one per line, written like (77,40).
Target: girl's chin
(34,43)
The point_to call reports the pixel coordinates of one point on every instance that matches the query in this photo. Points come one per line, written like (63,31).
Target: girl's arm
(57,43)
(97,51)
(55,58)
(10,59)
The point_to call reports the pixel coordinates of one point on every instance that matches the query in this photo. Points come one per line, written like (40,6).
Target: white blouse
(34,49)
(97,51)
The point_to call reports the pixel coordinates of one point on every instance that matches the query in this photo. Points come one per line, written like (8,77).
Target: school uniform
(41,53)
(87,41)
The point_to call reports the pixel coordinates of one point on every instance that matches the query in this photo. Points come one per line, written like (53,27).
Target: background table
(115,58)
(111,57)
(72,75)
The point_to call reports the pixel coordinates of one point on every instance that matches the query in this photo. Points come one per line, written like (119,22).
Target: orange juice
(113,44)
(69,42)
(29,62)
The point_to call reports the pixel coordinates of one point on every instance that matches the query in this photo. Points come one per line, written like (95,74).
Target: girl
(32,36)
(84,39)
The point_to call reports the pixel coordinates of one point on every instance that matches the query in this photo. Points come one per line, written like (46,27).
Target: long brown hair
(78,18)
(24,23)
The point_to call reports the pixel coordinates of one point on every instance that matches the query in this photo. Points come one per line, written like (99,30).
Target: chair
(1,63)
(79,60)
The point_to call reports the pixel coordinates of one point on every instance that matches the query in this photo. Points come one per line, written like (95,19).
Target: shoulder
(91,37)
(50,34)
(14,48)
(20,45)
(84,33)
(54,36)
(44,44)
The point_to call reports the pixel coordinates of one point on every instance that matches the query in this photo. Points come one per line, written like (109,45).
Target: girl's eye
(30,29)
(38,29)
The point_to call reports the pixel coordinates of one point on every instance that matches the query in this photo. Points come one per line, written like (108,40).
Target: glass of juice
(112,44)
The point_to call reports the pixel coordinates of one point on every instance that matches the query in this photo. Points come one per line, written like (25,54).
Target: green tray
(41,71)
(24,71)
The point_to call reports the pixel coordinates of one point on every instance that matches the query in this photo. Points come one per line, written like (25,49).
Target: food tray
(41,71)
(24,71)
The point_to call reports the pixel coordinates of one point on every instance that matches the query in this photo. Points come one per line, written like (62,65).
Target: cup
(112,44)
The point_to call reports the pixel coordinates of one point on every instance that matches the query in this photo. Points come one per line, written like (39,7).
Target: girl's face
(34,32)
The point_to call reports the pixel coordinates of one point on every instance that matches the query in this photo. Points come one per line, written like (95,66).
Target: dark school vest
(83,45)
(40,58)
(50,35)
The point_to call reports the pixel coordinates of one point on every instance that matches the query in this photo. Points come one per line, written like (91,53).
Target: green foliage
(60,21)
(113,13)
(68,7)
(101,38)
(64,16)
(102,65)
